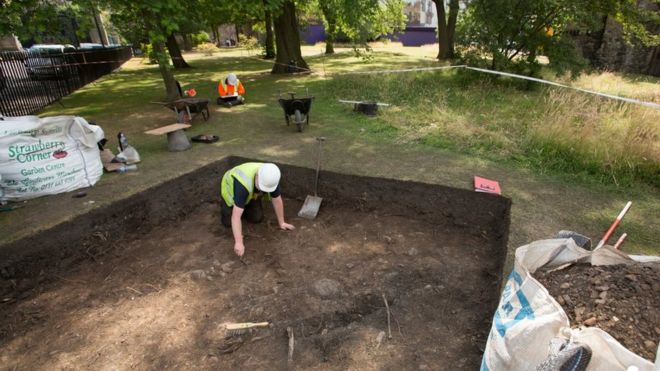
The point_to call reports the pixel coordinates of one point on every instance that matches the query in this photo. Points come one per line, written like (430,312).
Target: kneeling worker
(232,95)
(242,189)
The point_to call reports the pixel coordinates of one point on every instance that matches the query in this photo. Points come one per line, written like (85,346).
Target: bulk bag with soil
(532,331)
(44,156)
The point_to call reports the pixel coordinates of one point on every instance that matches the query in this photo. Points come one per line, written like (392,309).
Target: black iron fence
(31,80)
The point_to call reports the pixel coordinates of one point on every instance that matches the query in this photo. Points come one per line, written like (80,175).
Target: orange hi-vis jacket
(231,89)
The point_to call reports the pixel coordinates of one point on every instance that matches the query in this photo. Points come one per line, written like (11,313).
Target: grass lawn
(567,160)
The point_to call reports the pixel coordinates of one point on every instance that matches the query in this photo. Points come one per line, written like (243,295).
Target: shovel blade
(310,208)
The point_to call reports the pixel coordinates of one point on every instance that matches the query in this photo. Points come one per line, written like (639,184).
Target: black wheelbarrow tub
(291,105)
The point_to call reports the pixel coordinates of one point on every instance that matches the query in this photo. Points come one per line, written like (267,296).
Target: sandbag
(528,319)
(44,156)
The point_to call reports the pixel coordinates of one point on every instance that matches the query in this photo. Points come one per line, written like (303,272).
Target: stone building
(608,49)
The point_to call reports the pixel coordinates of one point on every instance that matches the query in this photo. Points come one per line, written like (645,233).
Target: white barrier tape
(280,64)
(628,100)
(610,96)
(399,71)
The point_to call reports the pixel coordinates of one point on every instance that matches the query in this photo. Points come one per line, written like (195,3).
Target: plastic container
(127,168)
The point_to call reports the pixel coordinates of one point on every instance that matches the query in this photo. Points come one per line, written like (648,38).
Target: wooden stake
(289,331)
(389,328)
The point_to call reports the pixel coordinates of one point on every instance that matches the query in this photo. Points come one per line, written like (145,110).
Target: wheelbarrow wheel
(299,120)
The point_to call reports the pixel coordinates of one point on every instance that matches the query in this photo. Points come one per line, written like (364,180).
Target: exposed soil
(148,281)
(159,299)
(620,299)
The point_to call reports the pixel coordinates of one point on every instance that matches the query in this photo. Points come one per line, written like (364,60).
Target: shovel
(312,203)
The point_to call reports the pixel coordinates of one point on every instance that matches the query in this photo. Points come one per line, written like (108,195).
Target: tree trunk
(331,20)
(216,38)
(175,52)
(289,58)
(238,39)
(187,42)
(270,46)
(330,40)
(446,28)
(451,25)
(166,73)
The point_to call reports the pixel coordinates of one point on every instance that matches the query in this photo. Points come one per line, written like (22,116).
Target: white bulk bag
(528,319)
(43,156)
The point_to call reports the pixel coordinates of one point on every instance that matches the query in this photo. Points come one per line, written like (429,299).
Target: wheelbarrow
(187,108)
(296,110)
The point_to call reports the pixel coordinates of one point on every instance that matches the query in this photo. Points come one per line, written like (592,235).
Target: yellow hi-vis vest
(245,174)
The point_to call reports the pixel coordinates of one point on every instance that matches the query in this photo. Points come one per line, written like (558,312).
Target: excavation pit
(147,282)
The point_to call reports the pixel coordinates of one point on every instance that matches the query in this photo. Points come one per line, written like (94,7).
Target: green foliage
(200,37)
(26,18)
(362,20)
(208,49)
(149,54)
(44,21)
(513,33)
(248,42)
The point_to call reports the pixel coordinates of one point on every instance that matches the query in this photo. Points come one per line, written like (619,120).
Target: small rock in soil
(590,322)
(618,299)
(227,267)
(413,251)
(565,285)
(326,288)
(257,312)
(379,338)
(197,274)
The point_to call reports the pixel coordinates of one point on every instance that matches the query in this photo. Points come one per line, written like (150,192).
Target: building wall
(313,33)
(421,13)
(10,43)
(616,54)
(607,48)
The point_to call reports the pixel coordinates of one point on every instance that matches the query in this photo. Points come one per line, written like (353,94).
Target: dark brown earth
(622,300)
(159,299)
(149,281)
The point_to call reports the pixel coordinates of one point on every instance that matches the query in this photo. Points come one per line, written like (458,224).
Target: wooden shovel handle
(238,326)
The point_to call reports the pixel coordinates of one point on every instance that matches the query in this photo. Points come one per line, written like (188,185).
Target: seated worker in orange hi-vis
(233,94)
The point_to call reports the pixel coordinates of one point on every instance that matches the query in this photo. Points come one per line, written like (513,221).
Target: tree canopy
(513,33)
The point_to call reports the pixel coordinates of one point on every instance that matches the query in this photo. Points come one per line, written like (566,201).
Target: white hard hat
(268,177)
(232,79)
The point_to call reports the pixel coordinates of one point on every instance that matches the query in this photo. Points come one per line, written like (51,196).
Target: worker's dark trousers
(253,213)
(230,102)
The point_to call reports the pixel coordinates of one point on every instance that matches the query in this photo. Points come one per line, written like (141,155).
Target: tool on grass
(614,225)
(369,108)
(312,203)
(233,329)
(619,242)
(10,208)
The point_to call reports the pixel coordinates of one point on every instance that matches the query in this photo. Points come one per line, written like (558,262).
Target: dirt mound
(620,299)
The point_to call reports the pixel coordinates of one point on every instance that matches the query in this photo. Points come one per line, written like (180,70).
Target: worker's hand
(239,249)
(287,226)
